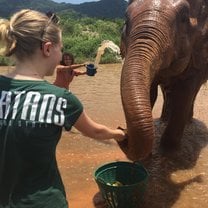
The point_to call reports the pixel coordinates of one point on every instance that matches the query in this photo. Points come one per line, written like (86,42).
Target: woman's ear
(46,48)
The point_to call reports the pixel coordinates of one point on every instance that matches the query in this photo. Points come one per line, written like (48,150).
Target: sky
(74,1)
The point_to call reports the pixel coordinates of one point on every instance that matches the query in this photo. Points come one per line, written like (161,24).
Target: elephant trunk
(137,108)
(141,65)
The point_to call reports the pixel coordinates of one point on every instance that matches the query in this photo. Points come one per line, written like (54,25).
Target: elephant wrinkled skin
(163,42)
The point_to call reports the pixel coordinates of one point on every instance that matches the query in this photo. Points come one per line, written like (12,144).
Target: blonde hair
(25,33)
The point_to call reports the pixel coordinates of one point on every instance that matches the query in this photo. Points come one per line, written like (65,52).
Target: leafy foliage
(82,36)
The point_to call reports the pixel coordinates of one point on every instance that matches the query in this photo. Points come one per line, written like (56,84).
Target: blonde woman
(33,113)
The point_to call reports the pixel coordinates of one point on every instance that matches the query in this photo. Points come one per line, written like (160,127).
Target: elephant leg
(191,112)
(166,103)
(167,96)
(181,101)
(153,93)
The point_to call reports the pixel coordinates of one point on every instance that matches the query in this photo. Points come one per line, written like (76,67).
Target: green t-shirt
(32,115)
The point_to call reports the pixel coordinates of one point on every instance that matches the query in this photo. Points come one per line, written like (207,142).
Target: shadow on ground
(170,175)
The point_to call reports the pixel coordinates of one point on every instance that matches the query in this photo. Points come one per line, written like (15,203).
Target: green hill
(101,9)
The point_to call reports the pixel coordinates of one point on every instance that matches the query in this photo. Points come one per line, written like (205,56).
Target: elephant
(164,44)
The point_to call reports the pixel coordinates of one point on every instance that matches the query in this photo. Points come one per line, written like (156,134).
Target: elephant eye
(184,15)
(184,18)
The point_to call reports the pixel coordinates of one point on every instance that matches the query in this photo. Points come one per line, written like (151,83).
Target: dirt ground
(177,182)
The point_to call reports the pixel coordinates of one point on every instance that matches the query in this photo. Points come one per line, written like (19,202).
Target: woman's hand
(90,128)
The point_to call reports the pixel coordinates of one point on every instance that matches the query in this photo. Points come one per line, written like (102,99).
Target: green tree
(83,35)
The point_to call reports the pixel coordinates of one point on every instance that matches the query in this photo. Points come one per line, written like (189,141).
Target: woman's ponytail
(7,38)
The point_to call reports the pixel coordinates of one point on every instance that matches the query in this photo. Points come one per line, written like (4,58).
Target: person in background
(33,113)
(65,71)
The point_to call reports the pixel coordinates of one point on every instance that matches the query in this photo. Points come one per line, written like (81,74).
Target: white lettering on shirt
(36,107)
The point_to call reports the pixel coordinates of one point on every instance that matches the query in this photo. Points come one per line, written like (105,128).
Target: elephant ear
(200,52)
(195,7)
(203,14)
(186,32)
(183,11)
(198,11)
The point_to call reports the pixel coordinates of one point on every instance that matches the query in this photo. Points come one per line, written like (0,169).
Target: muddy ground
(180,181)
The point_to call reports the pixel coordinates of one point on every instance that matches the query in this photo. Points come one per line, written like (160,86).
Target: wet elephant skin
(164,43)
